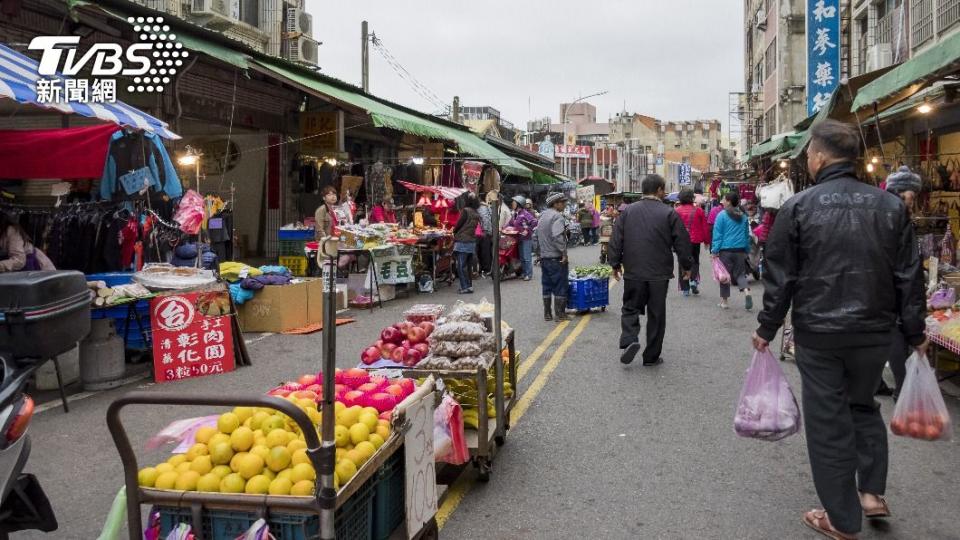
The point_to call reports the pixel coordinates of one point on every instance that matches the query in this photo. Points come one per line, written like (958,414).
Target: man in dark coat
(645,236)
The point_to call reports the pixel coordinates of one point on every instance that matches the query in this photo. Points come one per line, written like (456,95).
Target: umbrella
(673,197)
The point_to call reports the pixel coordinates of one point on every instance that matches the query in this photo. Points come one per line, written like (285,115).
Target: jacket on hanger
(131,151)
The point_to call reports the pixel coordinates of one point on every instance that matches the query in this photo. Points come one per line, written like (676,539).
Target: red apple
(398,354)
(427,326)
(417,335)
(423,348)
(378,343)
(396,390)
(391,335)
(406,344)
(307,380)
(370,355)
(412,357)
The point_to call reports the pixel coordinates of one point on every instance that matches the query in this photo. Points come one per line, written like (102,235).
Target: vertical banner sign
(192,336)
(685,172)
(823,52)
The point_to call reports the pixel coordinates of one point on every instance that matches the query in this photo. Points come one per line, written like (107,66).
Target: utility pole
(455,111)
(365,57)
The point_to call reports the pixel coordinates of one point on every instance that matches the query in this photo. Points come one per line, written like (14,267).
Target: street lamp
(565,111)
(192,158)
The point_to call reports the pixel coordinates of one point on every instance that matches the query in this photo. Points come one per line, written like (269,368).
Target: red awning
(445,192)
(69,154)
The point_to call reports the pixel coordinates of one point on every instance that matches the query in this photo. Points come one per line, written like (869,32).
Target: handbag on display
(773,196)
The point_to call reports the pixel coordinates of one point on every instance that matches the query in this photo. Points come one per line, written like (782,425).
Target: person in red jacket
(695,221)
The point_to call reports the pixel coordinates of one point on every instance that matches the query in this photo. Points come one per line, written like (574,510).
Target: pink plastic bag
(920,412)
(767,409)
(720,273)
(190,212)
(449,442)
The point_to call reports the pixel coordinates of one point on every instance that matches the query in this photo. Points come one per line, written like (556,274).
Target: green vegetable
(600,271)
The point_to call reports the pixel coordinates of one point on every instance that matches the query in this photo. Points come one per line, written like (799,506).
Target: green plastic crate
(388,497)
(291,248)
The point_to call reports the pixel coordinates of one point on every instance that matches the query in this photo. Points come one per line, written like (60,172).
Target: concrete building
(276,27)
(889,32)
(487,120)
(774,95)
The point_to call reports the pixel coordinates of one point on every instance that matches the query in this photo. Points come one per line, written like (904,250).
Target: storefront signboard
(823,52)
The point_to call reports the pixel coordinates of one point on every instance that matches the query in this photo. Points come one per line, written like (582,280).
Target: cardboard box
(315,299)
(276,308)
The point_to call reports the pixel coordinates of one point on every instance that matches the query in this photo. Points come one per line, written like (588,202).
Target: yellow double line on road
(462,486)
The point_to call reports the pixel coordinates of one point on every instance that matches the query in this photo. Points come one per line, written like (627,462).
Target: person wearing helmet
(524,222)
(552,250)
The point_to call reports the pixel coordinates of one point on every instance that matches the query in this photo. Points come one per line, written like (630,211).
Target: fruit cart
(491,432)
(369,506)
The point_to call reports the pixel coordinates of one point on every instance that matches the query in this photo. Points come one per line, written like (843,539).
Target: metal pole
(497,317)
(328,447)
(365,57)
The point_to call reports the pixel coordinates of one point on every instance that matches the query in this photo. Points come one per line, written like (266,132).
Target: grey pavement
(604,451)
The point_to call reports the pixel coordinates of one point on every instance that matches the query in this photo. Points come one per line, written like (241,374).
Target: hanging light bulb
(783,164)
(874,160)
(417,160)
(869,167)
(924,108)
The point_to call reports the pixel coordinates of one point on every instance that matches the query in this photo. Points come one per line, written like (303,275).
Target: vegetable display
(599,271)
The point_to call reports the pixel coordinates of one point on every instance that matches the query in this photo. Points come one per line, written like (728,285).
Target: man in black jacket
(844,255)
(645,236)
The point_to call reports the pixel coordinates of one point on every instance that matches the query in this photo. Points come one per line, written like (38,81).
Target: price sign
(192,335)
(420,477)
(394,270)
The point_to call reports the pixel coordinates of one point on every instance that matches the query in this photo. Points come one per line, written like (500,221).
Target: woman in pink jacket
(695,221)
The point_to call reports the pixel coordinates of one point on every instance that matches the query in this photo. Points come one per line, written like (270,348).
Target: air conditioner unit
(299,22)
(215,14)
(761,20)
(301,49)
(879,56)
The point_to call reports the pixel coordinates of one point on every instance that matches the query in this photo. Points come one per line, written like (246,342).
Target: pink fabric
(596,216)
(380,215)
(695,221)
(69,154)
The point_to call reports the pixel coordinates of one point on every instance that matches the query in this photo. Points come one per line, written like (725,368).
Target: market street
(597,450)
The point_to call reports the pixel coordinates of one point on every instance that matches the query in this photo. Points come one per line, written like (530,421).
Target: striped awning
(445,192)
(18,76)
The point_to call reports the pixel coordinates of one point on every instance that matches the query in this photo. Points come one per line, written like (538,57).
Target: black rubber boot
(560,305)
(547,309)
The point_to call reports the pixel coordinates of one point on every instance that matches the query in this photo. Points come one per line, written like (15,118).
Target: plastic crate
(353,521)
(291,248)
(588,293)
(302,234)
(296,265)
(388,497)
(133,338)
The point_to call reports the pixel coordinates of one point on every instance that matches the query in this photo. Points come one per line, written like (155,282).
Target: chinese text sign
(186,341)
(823,52)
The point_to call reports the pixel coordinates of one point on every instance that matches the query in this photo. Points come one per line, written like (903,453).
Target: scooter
(508,256)
(42,315)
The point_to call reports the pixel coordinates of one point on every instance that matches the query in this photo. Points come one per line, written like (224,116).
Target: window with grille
(770,58)
(921,17)
(948,13)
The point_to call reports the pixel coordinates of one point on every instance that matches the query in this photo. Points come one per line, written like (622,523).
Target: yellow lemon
(359,432)
(209,482)
(235,461)
(250,466)
(166,480)
(163,467)
(345,469)
(301,472)
(372,411)
(303,488)
(305,403)
(369,419)
(222,453)
(221,471)
(218,438)
(278,459)
(315,416)
(197,450)
(382,422)
(357,457)
(286,473)
(257,485)
(147,477)
(204,433)
(269,474)
(228,422)
(232,483)
(341,435)
(277,437)
(187,481)
(257,419)
(201,465)
(340,453)
(183,467)
(349,416)
(295,445)
(241,439)
(376,440)
(336,481)
(274,422)
(367,449)
(383,432)
(280,486)
(261,451)
(177,459)
(298,457)
(243,413)
(337,407)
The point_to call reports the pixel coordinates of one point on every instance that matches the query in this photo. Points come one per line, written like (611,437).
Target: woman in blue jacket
(731,243)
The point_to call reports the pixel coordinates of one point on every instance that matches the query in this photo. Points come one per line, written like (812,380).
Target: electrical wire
(421,89)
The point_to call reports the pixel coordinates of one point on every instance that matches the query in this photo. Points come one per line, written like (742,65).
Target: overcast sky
(674,60)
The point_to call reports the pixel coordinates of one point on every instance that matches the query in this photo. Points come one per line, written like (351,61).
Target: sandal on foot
(877,512)
(818,521)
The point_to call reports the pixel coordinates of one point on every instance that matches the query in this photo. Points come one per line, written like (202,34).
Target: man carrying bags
(645,237)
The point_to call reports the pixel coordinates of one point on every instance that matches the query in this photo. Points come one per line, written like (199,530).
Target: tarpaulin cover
(72,153)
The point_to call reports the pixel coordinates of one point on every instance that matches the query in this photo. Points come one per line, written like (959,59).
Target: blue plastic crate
(588,293)
(388,497)
(353,521)
(133,338)
(306,234)
(112,279)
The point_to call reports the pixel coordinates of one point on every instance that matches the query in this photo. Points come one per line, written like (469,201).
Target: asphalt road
(599,451)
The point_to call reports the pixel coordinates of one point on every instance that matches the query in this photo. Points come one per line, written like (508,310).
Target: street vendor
(326,215)
(424,217)
(383,212)
(551,236)
(17,252)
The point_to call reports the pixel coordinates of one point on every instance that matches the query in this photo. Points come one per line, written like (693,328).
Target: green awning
(384,115)
(775,145)
(911,76)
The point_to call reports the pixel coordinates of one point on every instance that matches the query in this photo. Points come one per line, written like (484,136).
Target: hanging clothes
(133,152)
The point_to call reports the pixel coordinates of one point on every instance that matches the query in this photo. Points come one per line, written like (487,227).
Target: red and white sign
(573,152)
(187,342)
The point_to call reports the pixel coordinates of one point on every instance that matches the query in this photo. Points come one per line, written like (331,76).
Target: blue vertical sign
(823,52)
(685,169)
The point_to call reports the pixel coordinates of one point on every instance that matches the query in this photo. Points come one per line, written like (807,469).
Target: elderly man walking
(844,255)
(645,237)
(551,236)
